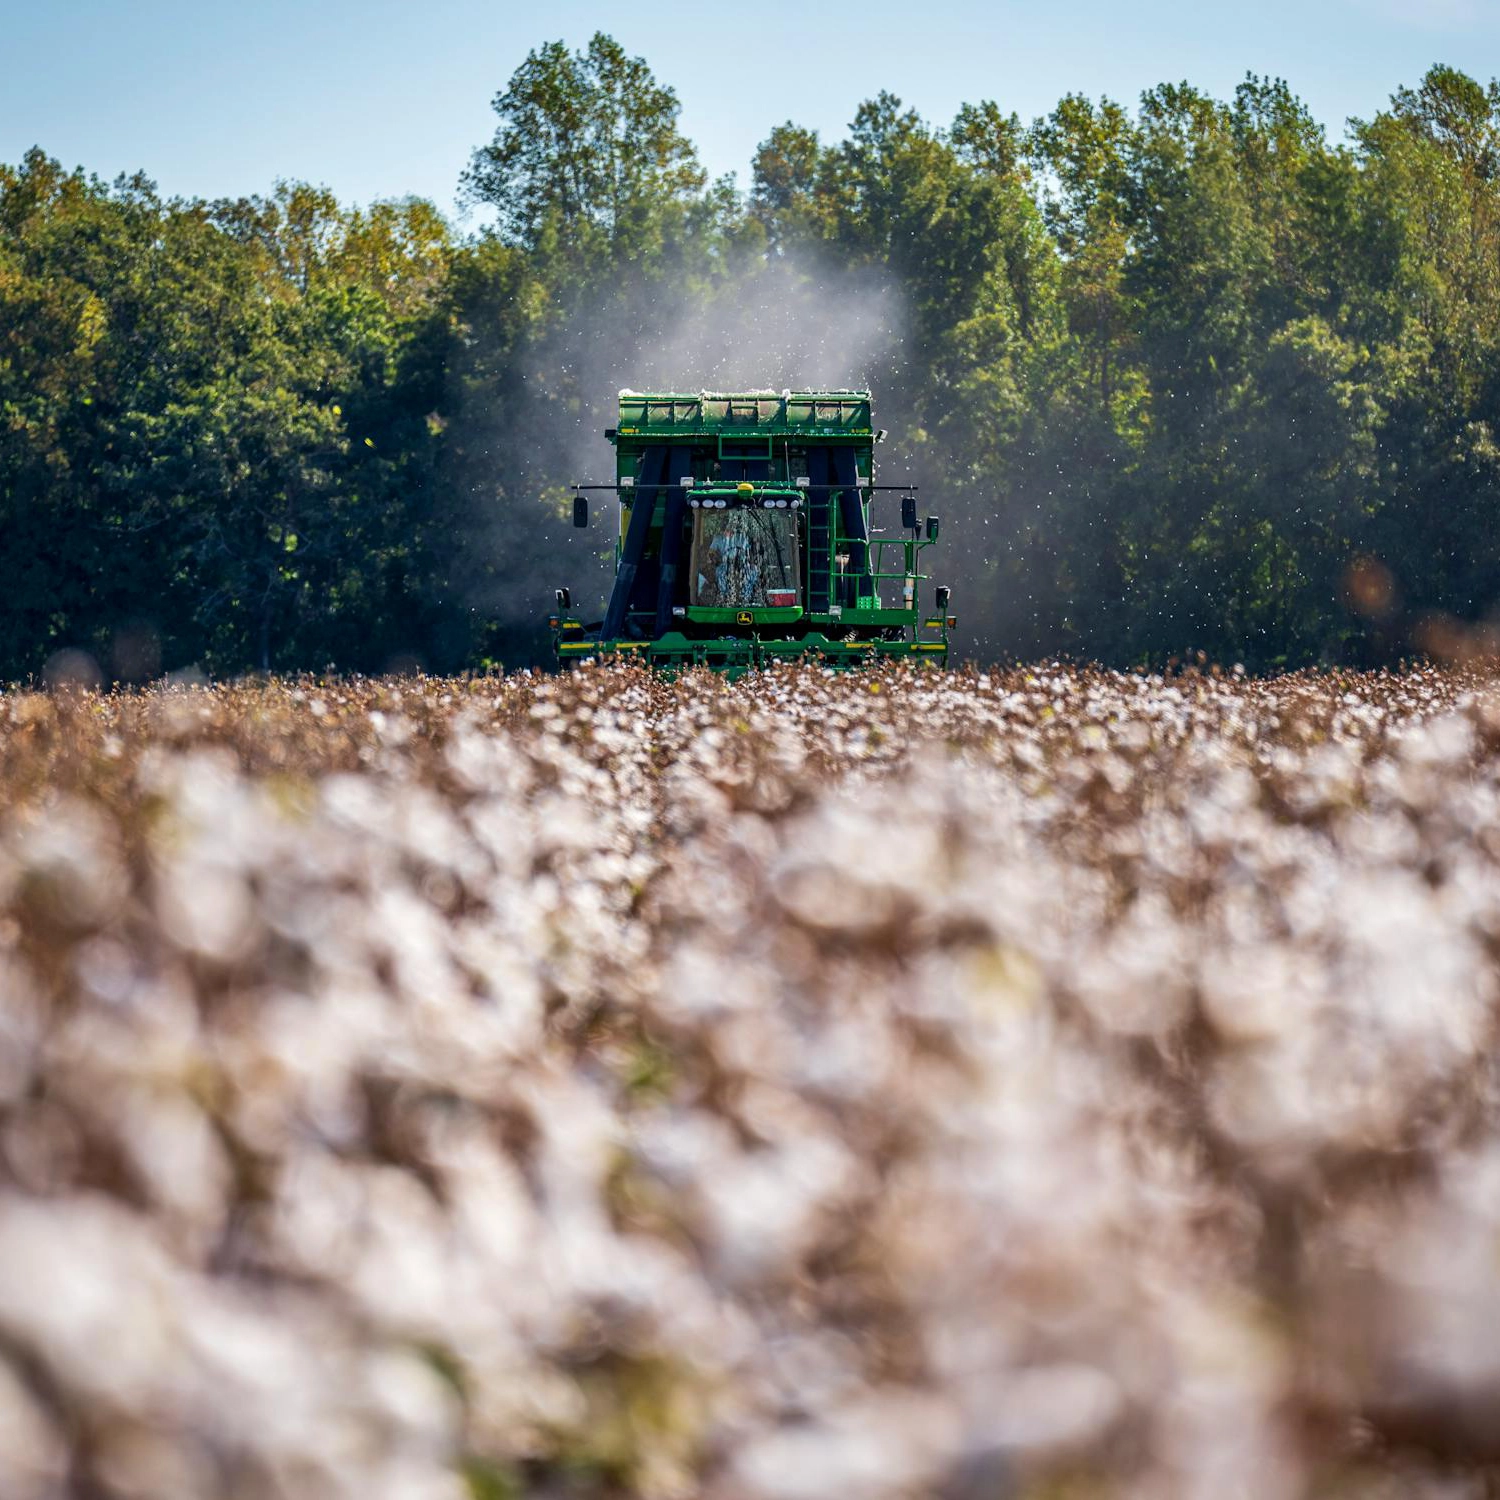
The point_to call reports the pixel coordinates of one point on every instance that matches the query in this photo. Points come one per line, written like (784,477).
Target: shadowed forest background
(1192,377)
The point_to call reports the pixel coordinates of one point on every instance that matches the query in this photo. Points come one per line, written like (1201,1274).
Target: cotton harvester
(745,538)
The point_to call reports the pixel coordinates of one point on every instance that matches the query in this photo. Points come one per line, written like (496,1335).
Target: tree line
(1188,377)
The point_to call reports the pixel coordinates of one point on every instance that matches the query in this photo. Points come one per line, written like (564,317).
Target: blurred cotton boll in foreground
(1026,1083)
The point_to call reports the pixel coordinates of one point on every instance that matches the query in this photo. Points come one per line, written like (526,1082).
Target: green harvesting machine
(745,537)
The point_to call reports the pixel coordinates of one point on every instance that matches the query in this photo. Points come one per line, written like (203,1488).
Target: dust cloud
(781,323)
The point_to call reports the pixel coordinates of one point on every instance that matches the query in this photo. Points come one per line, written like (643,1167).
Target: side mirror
(944,594)
(908,512)
(932,528)
(564,599)
(580,510)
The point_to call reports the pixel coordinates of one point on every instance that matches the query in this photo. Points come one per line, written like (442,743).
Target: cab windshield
(744,557)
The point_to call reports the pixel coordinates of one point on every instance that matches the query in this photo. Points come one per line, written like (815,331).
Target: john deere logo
(744,618)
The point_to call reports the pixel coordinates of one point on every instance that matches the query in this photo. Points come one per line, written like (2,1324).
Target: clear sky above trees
(382,97)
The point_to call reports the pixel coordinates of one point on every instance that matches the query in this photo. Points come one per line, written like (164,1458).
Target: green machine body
(750,530)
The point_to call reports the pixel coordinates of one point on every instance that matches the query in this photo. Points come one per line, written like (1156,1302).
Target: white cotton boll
(413,1404)
(1258,991)
(317,1219)
(23,1023)
(401,1270)
(277,1376)
(68,860)
(1443,741)
(205,783)
(354,804)
(139,1462)
(206,911)
(392,730)
(1050,1410)
(1376,839)
(882,1446)
(413,1478)
(1409,1325)
(764,1209)
(815,1370)
(33,1455)
(1133,978)
(424,829)
(1325,780)
(107,969)
(177,1155)
(62,1299)
(492,1213)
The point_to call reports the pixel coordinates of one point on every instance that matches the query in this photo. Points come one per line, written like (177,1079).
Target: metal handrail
(760,484)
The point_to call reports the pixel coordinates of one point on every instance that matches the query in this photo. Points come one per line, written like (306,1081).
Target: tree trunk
(264,646)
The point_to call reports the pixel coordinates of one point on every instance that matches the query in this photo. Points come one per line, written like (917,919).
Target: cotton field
(1039,1083)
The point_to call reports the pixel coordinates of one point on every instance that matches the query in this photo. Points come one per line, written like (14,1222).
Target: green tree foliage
(587,152)
(1188,376)
(211,421)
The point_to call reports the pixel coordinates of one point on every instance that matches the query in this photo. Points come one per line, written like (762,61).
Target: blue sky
(384,97)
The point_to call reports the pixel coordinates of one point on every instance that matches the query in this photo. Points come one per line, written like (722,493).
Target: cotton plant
(908,1082)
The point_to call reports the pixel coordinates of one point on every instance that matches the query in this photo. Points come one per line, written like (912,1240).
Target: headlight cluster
(719,502)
